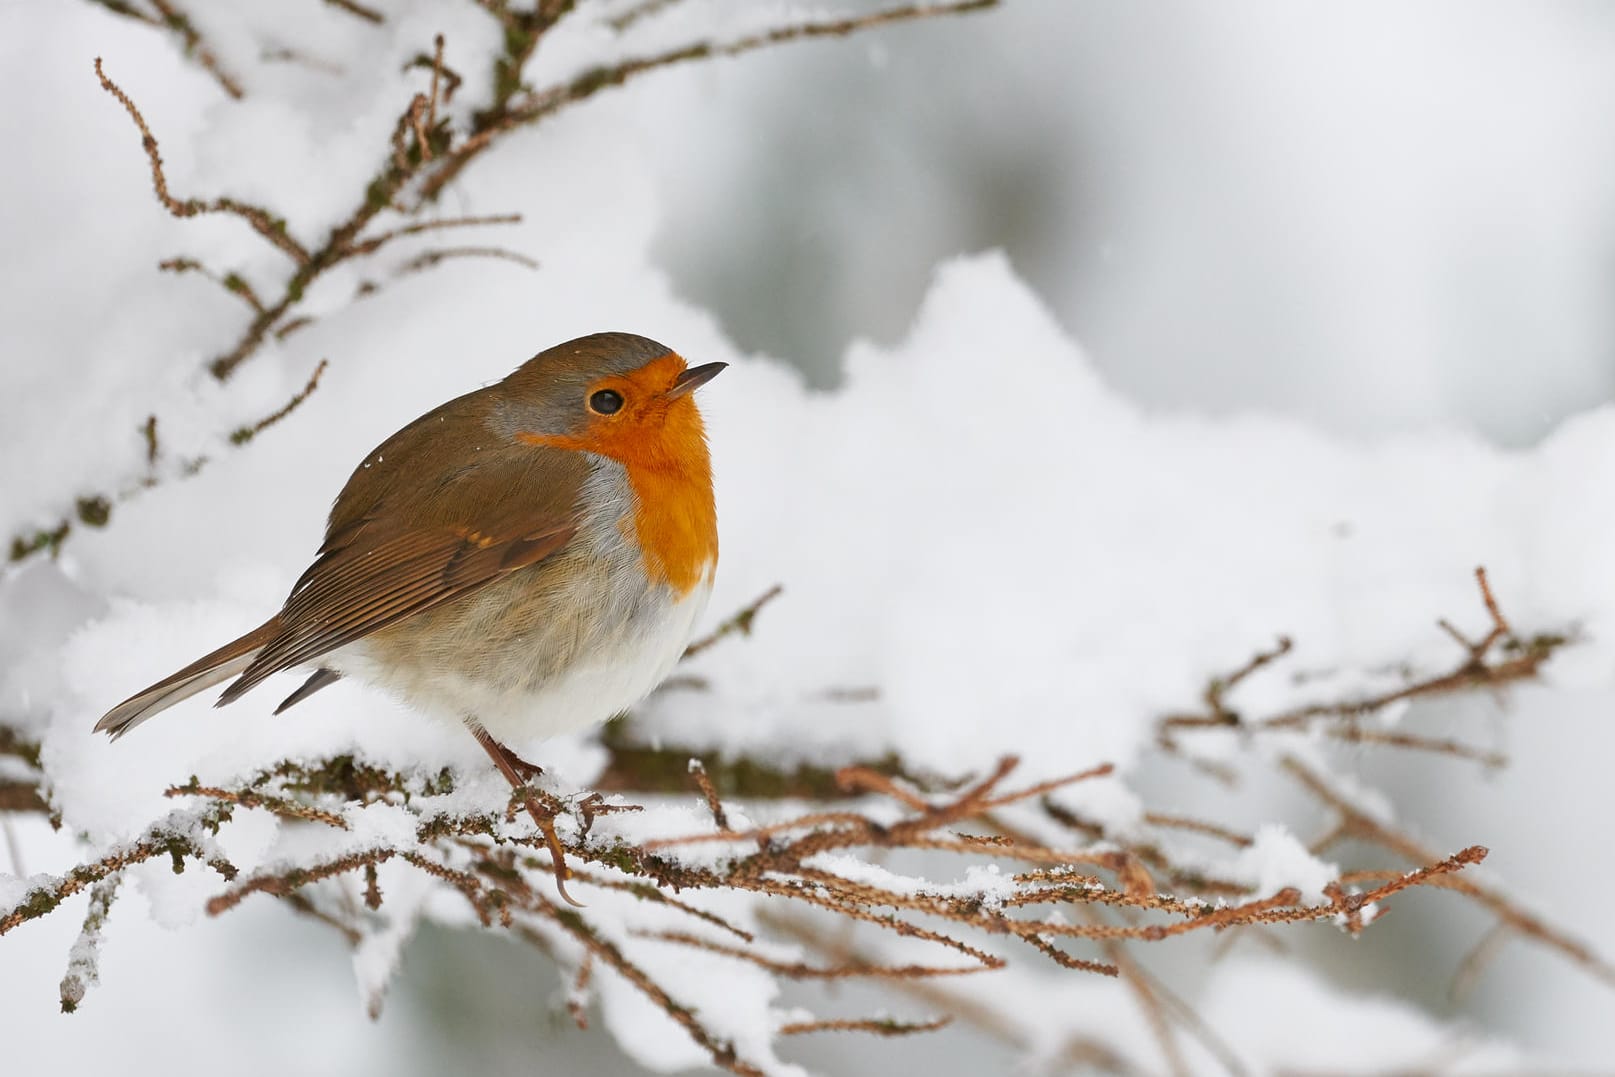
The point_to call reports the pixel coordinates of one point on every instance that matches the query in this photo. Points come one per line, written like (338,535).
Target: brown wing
(371,585)
(406,536)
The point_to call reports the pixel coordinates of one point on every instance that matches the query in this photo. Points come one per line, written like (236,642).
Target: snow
(1276,860)
(986,550)
(1375,1032)
(380,952)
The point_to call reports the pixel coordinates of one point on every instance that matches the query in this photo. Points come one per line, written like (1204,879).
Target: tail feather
(211,669)
(321,678)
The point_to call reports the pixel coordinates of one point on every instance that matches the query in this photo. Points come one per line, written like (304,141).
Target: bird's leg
(518,772)
(528,771)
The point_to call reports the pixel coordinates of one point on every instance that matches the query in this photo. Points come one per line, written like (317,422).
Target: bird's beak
(693,378)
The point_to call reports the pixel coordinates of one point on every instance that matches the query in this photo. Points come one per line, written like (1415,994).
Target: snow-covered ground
(1015,555)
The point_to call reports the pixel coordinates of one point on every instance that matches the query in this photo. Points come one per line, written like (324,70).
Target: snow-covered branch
(985,860)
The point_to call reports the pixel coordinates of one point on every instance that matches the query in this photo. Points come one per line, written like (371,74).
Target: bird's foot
(540,805)
(544,817)
(528,771)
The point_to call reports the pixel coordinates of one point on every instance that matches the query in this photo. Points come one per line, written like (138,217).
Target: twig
(1520,660)
(1357,824)
(507,114)
(233,283)
(148,431)
(353,7)
(1357,735)
(301,904)
(246,433)
(797,970)
(163,838)
(84,959)
(699,774)
(880,1026)
(170,18)
(740,621)
(431,97)
(248,798)
(436,160)
(643,10)
(1150,1004)
(428,259)
(577,999)
(262,221)
(1165,1001)
(281,884)
(722,1052)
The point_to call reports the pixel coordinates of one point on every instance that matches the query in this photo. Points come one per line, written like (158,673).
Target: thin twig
(431,258)
(880,1026)
(169,17)
(246,433)
(263,222)
(1360,825)
(353,7)
(740,621)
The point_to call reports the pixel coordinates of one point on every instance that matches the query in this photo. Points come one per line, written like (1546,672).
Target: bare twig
(246,433)
(740,621)
(353,7)
(233,283)
(719,817)
(169,17)
(1498,659)
(433,159)
(263,222)
(880,1026)
(375,243)
(431,258)
(1356,823)
(508,114)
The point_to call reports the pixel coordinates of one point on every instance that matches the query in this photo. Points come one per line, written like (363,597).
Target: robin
(527,559)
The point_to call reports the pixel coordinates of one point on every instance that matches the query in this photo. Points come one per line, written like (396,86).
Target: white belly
(519,700)
(559,646)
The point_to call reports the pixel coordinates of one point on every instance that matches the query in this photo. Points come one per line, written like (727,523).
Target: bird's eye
(606,402)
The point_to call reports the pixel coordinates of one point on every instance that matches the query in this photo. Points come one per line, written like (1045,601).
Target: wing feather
(375,581)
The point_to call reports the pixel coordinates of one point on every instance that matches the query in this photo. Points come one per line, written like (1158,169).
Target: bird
(528,559)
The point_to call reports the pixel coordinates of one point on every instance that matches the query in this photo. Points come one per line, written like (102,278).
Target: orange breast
(662,444)
(676,523)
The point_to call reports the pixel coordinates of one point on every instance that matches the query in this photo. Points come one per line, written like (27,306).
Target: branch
(84,960)
(1357,824)
(422,148)
(169,17)
(266,224)
(96,510)
(740,621)
(1498,659)
(173,837)
(246,433)
(508,114)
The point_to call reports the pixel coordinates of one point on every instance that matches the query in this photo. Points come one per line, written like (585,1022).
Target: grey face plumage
(547,393)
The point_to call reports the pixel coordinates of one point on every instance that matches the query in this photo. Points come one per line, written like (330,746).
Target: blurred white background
(1372,216)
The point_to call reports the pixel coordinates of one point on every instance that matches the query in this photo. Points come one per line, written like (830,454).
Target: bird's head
(613,394)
